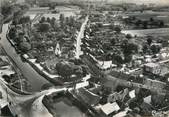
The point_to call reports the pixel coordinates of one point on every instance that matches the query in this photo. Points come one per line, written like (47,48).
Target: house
(118,96)
(110,108)
(147,99)
(132,94)
(156,69)
(87,96)
(153,68)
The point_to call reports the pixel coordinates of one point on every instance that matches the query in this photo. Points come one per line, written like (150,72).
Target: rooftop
(152,65)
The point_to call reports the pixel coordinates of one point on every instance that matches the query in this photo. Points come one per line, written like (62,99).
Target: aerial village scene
(84,58)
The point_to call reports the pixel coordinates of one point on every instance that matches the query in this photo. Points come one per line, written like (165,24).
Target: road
(80,36)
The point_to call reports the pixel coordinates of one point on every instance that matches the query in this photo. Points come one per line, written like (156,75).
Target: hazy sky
(161,2)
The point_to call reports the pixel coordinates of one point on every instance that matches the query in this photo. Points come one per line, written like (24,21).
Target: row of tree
(150,23)
(22,41)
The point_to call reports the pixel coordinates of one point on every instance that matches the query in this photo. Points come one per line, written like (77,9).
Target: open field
(67,11)
(155,32)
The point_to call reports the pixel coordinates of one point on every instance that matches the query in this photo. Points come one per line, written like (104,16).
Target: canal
(36,81)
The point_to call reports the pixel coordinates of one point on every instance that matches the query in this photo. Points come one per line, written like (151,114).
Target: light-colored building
(110,108)
(153,68)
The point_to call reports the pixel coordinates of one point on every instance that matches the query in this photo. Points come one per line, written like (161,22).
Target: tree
(165,43)
(111,26)
(24,19)
(113,41)
(71,21)
(52,6)
(138,22)
(117,29)
(46,86)
(133,18)
(24,46)
(42,20)
(145,24)
(78,71)
(62,19)
(155,49)
(12,33)
(161,24)
(118,59)
(16,16)
(24,7)
(67,20)
(133,47)
(128,36)
(85,69)
(64,69)
(53,21)
(48,20)
(151,19)
(125,8)
(44,27)
(37,36)
(127,58)
(128,49)
(20,37)
(145,48)
(149,40)
(67,69)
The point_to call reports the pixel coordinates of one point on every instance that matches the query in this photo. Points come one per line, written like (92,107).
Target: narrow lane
(79,37)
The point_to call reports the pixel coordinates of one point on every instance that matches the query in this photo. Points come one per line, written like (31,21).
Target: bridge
(26,104)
